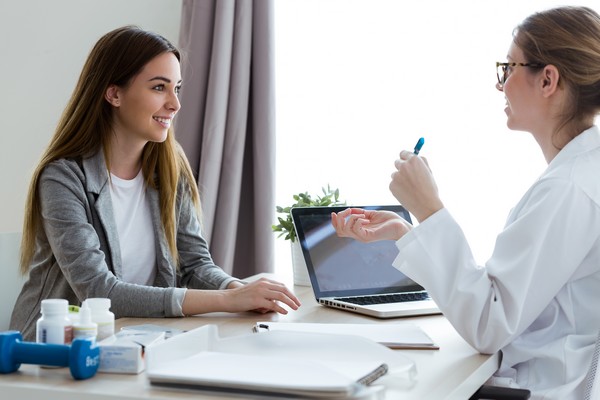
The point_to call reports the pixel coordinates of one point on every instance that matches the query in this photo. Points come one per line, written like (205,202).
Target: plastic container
(54,326)
(73,314)
(85,328)
(101,315)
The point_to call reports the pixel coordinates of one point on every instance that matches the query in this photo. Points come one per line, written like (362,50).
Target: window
(359,80)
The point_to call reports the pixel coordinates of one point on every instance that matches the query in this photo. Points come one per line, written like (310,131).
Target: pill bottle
(101,315)
(85,328)
(54,326)
(73,314)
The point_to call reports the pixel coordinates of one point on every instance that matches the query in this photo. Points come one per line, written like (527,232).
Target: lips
(166,122)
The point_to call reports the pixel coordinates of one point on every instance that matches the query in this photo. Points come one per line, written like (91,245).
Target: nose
(499,87)
(173,103)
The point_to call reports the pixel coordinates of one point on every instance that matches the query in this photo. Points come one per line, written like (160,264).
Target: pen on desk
(419,145)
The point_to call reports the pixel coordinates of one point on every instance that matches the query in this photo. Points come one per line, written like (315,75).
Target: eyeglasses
(503,69)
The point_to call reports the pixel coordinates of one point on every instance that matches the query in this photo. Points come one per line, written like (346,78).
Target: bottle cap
(55,306)
(85,315)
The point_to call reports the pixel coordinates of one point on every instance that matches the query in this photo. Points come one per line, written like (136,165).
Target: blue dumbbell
(82,356)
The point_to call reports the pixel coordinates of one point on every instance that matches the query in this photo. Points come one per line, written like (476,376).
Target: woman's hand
(263,296)
(414,187)
(369,225)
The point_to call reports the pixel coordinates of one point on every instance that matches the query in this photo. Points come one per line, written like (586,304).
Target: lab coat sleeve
(539,250)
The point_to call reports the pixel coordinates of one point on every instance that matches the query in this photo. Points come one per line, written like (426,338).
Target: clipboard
(395,336)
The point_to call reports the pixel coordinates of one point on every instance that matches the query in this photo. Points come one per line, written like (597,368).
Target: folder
(275,363)
(394,336)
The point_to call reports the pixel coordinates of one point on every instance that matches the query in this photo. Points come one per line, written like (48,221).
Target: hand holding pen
(413,184)
(418,146)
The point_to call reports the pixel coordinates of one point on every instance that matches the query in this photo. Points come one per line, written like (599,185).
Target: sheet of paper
(395,336)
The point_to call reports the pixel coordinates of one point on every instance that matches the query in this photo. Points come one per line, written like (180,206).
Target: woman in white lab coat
(537,298)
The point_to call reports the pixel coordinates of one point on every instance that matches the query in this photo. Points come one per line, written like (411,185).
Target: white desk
(453,372)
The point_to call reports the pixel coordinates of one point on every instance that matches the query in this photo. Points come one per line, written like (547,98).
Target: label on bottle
(56,335)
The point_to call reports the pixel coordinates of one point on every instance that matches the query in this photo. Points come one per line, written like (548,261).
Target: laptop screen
(343,266)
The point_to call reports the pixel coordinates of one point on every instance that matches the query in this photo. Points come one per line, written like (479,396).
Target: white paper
(405,335)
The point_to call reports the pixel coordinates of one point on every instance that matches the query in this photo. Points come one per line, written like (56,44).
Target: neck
(553,140)
(125,158)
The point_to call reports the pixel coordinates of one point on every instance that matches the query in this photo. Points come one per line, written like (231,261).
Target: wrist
(428,212)
(204,301)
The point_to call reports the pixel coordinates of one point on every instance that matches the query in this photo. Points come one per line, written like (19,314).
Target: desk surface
(453,372)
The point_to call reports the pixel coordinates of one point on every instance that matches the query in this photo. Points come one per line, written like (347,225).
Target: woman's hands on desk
(263,295)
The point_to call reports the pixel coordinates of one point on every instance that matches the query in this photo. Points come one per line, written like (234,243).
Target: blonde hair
(85,128)
(568,38)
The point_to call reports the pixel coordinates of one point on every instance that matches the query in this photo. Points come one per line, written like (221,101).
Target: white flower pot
(299,266)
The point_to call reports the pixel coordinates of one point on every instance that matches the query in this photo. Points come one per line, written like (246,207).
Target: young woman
(112,209)
(536,299)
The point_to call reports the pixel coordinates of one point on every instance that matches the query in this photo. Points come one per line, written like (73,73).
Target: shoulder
(63,170)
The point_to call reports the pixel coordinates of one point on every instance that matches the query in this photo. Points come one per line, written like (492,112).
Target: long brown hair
(568,38)
(85,128)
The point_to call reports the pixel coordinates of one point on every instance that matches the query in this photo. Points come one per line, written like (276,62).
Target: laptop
(353,276)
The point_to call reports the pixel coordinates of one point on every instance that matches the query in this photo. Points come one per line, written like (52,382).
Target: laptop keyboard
(385,298)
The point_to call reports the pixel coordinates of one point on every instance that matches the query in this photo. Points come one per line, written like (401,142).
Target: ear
(112,95)
(550,80)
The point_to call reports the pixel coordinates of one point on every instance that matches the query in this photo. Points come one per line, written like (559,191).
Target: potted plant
(285,226)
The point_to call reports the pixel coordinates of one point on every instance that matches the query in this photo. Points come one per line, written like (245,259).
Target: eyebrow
(162,78)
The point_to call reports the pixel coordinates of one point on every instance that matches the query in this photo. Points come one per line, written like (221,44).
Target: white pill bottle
(101,315)
(54,326)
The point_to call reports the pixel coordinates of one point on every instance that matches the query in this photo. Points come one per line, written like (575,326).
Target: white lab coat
(538,297)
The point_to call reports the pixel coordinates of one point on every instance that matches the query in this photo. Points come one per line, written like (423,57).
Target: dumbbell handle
(56,355)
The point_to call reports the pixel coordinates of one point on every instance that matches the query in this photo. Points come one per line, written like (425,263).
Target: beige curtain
(227,127)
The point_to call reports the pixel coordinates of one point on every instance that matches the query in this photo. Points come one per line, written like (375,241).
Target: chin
(160,138)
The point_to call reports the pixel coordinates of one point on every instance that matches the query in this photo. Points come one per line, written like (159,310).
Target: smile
(166,122)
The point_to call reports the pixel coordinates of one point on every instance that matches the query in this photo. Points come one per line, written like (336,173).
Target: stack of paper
(290,363)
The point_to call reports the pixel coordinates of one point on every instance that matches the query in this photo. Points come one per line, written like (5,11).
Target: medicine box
(123,353)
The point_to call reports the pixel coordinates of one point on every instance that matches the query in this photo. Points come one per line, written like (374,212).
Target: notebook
(353,276)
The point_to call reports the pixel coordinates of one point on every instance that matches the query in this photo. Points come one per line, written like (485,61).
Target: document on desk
(285,363)
(268,375)
(394,336)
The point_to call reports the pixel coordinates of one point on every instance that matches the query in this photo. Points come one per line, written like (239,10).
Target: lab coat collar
(586,141)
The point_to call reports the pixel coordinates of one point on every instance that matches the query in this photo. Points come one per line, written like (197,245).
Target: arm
(199,273)
(539,252)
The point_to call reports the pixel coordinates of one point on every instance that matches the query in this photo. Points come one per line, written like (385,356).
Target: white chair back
(11,280)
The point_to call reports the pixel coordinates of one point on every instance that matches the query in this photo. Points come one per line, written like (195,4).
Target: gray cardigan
(77,253)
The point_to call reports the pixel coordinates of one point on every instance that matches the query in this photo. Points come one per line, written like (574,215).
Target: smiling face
(144,109)
(519,91)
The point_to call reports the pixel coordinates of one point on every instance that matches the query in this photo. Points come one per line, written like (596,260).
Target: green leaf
(285,225)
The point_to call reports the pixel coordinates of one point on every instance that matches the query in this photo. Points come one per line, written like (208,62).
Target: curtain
(226,126)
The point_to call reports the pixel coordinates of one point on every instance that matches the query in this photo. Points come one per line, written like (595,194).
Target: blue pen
(419,145)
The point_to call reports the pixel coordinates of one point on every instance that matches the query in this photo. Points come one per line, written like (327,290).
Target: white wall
(43,47)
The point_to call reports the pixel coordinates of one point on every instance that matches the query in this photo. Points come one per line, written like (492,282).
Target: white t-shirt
(134,226)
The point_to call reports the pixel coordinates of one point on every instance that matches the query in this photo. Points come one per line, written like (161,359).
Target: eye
(177,89)
(159,88)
